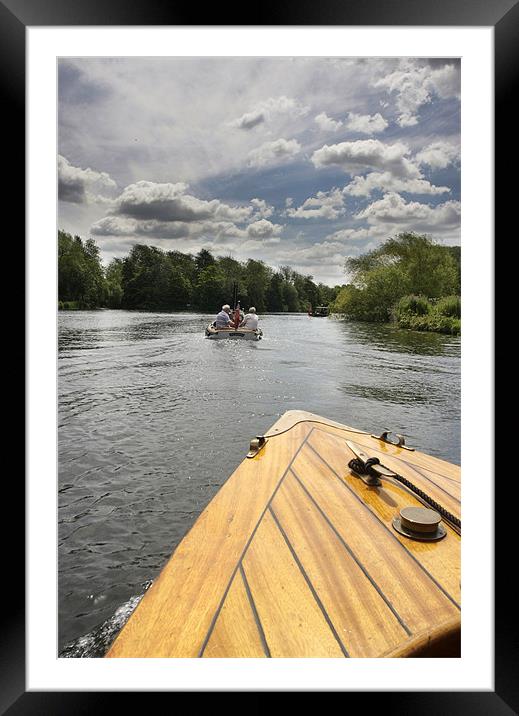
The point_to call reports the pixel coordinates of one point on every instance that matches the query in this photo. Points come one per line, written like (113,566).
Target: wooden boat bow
(297,557)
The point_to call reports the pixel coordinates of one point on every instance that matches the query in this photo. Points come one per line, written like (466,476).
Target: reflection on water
(153,418)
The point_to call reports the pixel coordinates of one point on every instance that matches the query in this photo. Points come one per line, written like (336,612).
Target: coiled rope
(365,468)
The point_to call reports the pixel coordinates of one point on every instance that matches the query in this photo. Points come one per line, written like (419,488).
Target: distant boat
(321,311)
(236,333)
(322,543)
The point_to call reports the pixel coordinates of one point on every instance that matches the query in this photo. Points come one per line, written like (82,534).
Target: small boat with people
(234,323)
(326,541)
(239,333)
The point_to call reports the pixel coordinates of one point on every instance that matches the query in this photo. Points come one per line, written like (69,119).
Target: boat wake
(96,643)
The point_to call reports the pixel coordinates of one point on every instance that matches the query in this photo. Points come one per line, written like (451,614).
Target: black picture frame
(503,16)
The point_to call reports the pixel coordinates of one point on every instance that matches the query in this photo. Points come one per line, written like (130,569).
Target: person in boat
(223,319)
(250,321)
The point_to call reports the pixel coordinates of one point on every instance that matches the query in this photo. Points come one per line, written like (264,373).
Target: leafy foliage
(409,278)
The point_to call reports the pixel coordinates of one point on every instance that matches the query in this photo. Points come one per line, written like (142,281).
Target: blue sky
(301,161)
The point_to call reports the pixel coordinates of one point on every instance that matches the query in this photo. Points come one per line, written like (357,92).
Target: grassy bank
(419,314)
(69,306)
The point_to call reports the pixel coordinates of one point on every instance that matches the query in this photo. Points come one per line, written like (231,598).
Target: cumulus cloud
(415,84)
(168,202)
(327,124)
(81,186)
(166,211)
(439,155)
(324,205)
(392,209)
(366,185)
(124,226)
(273,152)
(354,157)
(261,208)
(366,123)
(266,110)
(263,229)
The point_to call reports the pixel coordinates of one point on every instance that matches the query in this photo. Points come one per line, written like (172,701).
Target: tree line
(149,278)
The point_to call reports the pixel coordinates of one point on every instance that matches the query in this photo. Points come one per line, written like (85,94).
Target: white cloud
(327,124)
(350,235)
(393,210)
(74,183)
(365,185)
(439,155)
(366,123)
(445,81)
(310,258)
(124,226)
(262,209)
(363,154)
(325,205)
(168,202)
(414,85)
(263,229)
(273,152)
(265,111)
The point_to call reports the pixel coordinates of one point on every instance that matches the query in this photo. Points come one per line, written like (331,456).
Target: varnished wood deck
(297,557)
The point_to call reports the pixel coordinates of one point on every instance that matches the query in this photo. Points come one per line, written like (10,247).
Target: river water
(153,418)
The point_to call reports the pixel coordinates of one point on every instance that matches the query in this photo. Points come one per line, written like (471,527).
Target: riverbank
(417,313)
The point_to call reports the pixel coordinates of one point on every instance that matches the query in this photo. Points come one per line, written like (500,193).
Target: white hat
(252,309)
(226,307)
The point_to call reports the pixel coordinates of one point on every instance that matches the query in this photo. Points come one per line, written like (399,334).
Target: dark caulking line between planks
(356,559)
(310,585)
(376,517)
(263,638)
(238,564)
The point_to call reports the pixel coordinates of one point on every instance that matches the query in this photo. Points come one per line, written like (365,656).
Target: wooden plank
(359,611)
(417,598)
(236,632)
(441,559)
(292,620)
(176,613)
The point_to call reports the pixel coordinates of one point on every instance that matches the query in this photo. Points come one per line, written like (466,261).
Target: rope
(365,468)
(320,422)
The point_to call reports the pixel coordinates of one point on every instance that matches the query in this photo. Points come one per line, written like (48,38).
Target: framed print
(239,170)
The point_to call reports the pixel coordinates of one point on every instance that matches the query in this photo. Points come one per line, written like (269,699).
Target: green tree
(80,273)
(210,289)
(114,288)
(290,297)
(275,299)
(257,280)
(203,259)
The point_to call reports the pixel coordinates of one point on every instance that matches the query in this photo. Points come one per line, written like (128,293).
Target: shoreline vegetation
(409,281)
